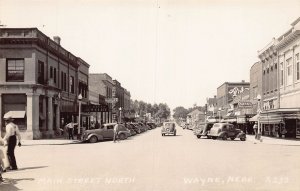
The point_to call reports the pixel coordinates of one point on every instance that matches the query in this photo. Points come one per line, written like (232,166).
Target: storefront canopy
(15,114)
(254,118)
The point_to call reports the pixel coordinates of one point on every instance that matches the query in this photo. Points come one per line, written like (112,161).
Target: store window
(281,74)
(15,70)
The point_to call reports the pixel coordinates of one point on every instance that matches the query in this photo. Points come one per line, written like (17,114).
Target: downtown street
(152,162)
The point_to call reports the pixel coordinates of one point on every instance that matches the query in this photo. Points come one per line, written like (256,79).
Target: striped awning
(270,118)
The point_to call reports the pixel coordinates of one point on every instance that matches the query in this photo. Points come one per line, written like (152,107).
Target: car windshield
(170,125)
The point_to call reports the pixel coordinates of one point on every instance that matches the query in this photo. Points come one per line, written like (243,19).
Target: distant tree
(180,112)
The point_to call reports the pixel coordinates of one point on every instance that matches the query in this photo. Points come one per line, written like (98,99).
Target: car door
(231,131)
(110,131)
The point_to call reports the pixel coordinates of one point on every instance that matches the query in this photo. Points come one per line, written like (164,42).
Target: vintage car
(106,132)
(225,131)
(203,129)
(169,128)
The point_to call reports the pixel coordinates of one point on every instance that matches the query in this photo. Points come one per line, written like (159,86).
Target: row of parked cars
(218,131)
(124,130)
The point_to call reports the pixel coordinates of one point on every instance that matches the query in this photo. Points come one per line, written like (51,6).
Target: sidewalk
(274,141)
(49,142)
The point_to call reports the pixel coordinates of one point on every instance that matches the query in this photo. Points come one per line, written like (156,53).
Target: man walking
(116,129)
(255,128)
(10,140)
(70,127)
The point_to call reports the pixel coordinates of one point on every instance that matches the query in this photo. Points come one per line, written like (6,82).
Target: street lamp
(219,114)
(258,116)
(120,109)
(79,100)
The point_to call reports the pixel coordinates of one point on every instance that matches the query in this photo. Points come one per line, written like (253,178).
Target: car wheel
(224,137)
(214,138)
(243,139)
(122,136)
(175,133)
(93,139)
(208,137)
(232,138)
(162,134)
(198,136)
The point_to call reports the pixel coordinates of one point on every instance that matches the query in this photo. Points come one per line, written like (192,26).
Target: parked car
(136,127)
(131,129)
(203,130)
(168,128)
(144,126)
(225,131)
(106,132)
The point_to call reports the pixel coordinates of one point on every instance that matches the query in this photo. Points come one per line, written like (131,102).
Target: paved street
(151,162)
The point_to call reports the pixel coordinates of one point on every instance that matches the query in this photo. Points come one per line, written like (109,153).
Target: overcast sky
(176,52)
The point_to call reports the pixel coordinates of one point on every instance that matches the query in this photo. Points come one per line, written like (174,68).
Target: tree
(180,112)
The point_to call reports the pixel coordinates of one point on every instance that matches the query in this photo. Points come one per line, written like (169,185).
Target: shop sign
(111,100)
(94,108)
(245,104)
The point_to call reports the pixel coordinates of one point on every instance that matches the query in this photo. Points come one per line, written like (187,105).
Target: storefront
(283,123)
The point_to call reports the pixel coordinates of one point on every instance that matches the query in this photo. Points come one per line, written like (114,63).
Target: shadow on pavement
(47,144)
(30,168)
(10,184)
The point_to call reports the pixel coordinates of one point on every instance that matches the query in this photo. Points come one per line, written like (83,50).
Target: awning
(254,118)
(15,114)
(232,120)
(270,118)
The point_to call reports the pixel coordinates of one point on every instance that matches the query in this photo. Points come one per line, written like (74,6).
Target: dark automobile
(225,131)
(143,126)
(168,128)
(153,125)
(136,127)
(105,132)
(131,129)
(203,130)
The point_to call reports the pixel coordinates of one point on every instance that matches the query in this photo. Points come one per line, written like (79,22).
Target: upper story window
(297,67)
(72,84)
(281,74)
(53,74)
(15,70)
(41,77)
(289,71)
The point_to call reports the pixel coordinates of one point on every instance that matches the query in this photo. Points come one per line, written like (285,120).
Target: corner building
(39,83)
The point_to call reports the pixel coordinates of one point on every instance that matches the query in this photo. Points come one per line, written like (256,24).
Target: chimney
(56,39)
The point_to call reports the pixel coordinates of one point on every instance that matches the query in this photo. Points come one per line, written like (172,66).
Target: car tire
(198,136)
(122,136)
(175,133)
(214,138)
(232,138)
(93,139)
(243,139)
(224,137)
(209,137)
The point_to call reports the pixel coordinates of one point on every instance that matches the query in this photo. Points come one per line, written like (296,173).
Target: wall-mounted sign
(245,104)
(111,100)
(94,108)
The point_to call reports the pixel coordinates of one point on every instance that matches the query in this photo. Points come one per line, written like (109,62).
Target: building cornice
(13,36)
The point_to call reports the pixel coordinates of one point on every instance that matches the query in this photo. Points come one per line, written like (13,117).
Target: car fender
(99,137)
(241,135)
(221,134)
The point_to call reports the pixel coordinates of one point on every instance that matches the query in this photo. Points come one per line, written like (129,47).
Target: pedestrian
(70,127)
(10,140)
(255,128)
(116,130)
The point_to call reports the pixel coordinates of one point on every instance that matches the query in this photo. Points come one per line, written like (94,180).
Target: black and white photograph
(149,95)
